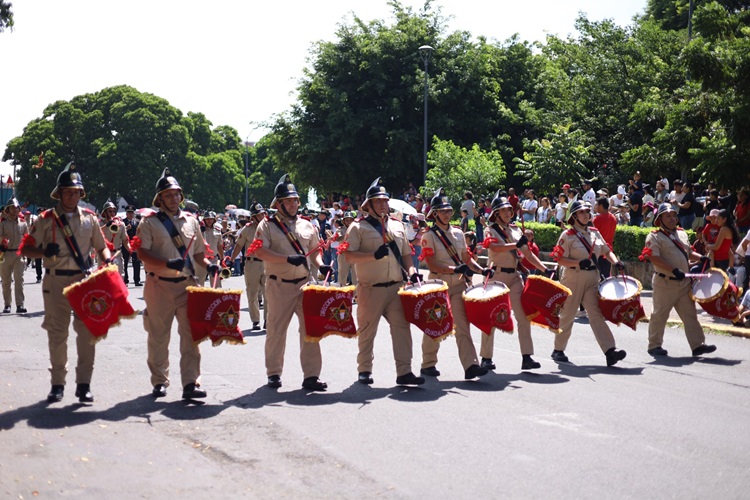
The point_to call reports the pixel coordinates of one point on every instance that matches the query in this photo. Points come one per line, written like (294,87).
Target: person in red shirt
(534,249)
(513,199)
(606,223)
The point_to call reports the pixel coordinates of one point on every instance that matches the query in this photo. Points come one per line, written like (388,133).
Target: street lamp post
(247,205)
(426,53)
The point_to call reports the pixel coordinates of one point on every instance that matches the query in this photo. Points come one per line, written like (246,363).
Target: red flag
(214,313)
(328,311)
(428,306)
(542,301)
(100,300)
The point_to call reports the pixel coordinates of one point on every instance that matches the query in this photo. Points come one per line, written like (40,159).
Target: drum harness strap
(504,236)
(70,241)
(447,244)
(590,249)
(676,243)
(290,236)
(375,223)
(177,240)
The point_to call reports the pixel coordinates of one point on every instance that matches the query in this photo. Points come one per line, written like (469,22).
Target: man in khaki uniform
(66,260)
(115,233)
(670,251)
(344,266)
(448,260)
(12,231)
(255,278)
(214,242)
(286,239)
(171,245)
(582,245)
(379,251)
(503,256)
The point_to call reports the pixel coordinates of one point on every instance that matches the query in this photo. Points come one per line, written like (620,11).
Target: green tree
(6,15)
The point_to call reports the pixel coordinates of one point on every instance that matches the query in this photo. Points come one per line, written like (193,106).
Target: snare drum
(214,313)
(620,300)
(328,310)
(716,295)
(428,306)
(542,301)
(488,307)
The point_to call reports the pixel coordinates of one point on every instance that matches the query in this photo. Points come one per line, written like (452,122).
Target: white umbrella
(241,212)
(401,206)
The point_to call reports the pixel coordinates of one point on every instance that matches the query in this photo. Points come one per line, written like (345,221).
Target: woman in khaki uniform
(581,246)
(448,260)
(503,257)
(379,251)
(255,278)
(212,237)
(286,239)
(12,231)
(670,250)
(48,241)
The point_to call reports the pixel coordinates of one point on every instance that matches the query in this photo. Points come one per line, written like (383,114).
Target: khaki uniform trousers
(372,304)
(282,301)
(523,325)
(467,353)
(255,283)
(57,321)
(668,294)
(12,269)
(344,268)
(584,286)
(166,301)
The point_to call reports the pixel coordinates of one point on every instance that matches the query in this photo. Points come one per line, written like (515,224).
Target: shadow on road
(676,362)
(584,371)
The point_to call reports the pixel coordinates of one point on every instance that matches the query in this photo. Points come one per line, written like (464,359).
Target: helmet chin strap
(286,212)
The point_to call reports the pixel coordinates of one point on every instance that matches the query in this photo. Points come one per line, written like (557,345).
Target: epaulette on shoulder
(680,229)
(513,225)
(47,213)
(394,218)
(88,211)
(571,232)
(592,228)
(147,213)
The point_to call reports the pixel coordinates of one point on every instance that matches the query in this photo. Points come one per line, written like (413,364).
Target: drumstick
(697,275)
(314,249)
(624,281)
(184,255)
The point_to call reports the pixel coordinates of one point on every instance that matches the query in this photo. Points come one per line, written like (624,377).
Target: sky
(237,62)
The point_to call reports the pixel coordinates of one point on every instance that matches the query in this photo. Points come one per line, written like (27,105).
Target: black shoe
(703,349)
(160,390)
(475,371)
(83,393)
(274,381)
(314,384)
(559,356)
(193,391)
(126,281)
(409,379)
(6,310)
(365,378)
(20,310)
(529,364)
(56,394)
(613,356)
(138,284)
(658,351)
(39,280)
(430,371)
(487,363)
(256,326)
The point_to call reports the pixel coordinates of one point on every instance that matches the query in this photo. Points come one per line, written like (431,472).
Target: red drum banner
(328,311)
(542,301)
(488,307)
(100,300)
(214,314)
(620,300)
(717,295)
(428,306)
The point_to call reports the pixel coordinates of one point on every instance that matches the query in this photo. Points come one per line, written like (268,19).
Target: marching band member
(114,232)
(171,243)
(580,246)
(215,244)
(255,278)
(378,249)
(12,231)
(504,242)
(344,266)
(448,259)
(131,228)
(63,237)
(285,240)
(669,250)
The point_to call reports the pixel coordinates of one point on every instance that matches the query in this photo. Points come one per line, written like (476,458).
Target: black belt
(251,259)
(295,281)
(386,284)
(62,272)
(11,250)
(171,280)
(662,275)
(509,270)
(590,268)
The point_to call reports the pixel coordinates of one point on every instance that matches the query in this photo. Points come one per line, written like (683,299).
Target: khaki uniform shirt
(274,239)
(363,237)
(117,239)
(213,240)
(155,237)
(84,226)
(456,238)
(512,234)
(574,248)
(13,231)
(664,246)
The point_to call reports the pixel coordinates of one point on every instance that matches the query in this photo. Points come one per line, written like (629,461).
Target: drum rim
(505,289)
(637,294)
(411,288)
(725,285)
(556,284)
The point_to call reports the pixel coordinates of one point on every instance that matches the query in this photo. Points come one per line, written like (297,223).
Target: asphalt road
(643,429)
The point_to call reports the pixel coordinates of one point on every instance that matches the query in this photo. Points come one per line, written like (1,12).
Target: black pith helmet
(165,182)
(108,205)
(68,178)
(578,206)
(376,190)
(284,189)
(438,202)
(499,202)
(257,209)
(663,208)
